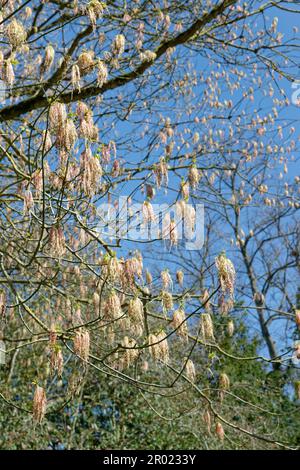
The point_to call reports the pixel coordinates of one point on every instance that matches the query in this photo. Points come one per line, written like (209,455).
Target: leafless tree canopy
(178,103)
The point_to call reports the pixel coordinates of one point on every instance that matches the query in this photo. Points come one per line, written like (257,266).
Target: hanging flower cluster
(226,274)
(179,323)
(39,404)
(159,348)
(81,344)
(16,33)
(57,242)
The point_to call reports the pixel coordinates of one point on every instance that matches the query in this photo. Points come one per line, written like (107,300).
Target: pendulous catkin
(190,370)
(112,307)
(102,74)
(297,318)
(57,116)
(224,384)
(91,173)
(96,302)
(48,59)
(206,301)
(2,303)
(230,328)
(57,241)
(206,416)
(180,277)
(86,62)
(194,176)
(220,431)
(56,361)
(207,328)
(166,279)
(136,310)
(159,348)
(179,323)
(130,354)
(118,45)
(167,300)
(16,33)
(81,344)
(226,273)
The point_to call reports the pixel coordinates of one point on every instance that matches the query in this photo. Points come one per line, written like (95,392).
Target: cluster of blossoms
(159,348)
(96,303)
(148,277)
(207,327)
(87,129)
(206,301)
(56,360)
(220,431)
(57,116)
(46,141)
(86,62)
(130,353)
(102,74)
(16,34)
(118,45)
(39,404)
(57,242)
(225,305)
(136,315)
(76,77)
(194,176)
(226,274)
(180,277)
(6,70)
(37,181)
(56,355)
(95,10)
(297,318)
(166,279)
(91,173)
(161,172)
(111,268)
(112,307)
(147,56)
(230,328)
(166,300)
(187,214)
(224,384)
(179,323)
(132,268)
(207,419)
(169,231)
(190,370)
(148,212)
(185,190)
(48,59)
(118,313)
(2,303)
(62,128)
(81,344)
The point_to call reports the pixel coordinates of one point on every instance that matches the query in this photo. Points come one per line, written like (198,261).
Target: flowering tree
(176,103)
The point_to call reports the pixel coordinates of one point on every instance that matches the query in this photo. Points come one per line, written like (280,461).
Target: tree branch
(40,101)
